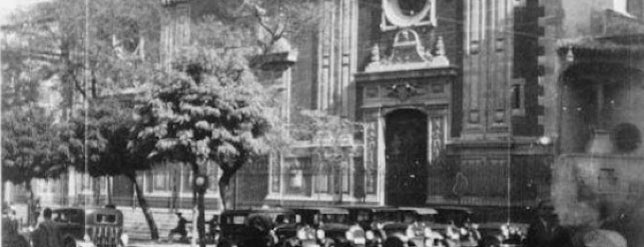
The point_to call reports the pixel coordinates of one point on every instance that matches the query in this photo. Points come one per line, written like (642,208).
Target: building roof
(616,45)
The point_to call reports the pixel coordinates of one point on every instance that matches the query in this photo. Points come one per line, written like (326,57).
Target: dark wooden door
(406,157)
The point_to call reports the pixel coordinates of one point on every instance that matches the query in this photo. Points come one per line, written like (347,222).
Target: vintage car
(419,226)
(373,219)
(458,228)
(322,226)
(100,227)
(502,234)
(237,225)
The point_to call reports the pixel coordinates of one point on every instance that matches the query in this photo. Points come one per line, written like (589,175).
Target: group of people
(46,233)
(545,230)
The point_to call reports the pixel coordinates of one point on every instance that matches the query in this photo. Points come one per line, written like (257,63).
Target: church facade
(456,102)
(449,96)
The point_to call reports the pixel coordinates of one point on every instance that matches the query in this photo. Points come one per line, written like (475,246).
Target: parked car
(420,227)
(459,229)
(373,220)
(324,226)
(240,226)
(502,234)
(100,227)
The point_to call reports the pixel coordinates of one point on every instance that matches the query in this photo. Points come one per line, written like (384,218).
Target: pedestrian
(47,233)
(180,229)
(258,232)
(545,230)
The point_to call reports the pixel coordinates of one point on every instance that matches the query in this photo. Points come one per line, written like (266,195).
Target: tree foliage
(90,49)
(209,110)
(53,35)
(108,133)
(29,146)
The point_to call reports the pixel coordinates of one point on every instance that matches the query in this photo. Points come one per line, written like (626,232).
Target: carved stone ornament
(404,91)
(408,53)
(407,13)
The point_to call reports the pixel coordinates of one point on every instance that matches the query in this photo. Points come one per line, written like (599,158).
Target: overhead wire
(86,103)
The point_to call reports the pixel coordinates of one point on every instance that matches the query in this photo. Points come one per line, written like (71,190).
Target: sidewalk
(160,244)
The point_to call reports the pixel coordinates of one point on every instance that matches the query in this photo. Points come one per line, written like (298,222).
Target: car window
(67,216)
(106,218)
(334,218)
(387,216)
(60,217)
(427,218)
(284,218)
(238,219)
(363,216)
(409,217)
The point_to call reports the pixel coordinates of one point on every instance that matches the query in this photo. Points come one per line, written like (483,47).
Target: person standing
(47,233)
(545,231)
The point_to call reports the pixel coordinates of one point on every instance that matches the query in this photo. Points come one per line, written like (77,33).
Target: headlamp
(301,234)
(369,235)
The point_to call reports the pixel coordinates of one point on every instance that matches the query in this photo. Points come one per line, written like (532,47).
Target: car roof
(258,210)
(455,208)
(371,208)
(86,210)
(420,210)
(324,210)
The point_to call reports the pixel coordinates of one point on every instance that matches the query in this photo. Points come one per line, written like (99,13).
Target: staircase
(136,227)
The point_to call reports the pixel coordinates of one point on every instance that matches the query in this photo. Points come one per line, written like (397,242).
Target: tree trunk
(154,232)
(31,220)
(195,216)
(109,190)
(198,218)
(224,182)
(201,219)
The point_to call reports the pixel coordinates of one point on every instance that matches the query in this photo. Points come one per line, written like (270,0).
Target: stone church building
(458,102)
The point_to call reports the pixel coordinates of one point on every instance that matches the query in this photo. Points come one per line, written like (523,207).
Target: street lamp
(544,140)
(201,183)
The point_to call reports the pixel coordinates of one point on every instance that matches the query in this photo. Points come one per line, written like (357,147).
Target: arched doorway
(406,157)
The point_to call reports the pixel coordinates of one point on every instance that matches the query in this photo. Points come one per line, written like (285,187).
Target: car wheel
(22,242)
(490,242)
(70,243)
(224,243)
(329,243)
(393,242)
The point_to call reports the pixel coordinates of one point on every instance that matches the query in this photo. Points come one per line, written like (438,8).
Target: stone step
(136,226)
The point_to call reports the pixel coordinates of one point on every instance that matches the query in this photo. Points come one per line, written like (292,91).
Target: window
(161,180)
(186,180)
(371,181)
(516,96)
(212,178)
(297,177)
(345,177)
(275,174)
(636,8)
(322,183)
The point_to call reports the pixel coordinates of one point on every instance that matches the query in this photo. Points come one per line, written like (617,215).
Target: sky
(9,6)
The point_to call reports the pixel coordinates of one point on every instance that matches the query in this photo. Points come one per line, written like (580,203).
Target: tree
(28,146)
(209,110)
(108,134)
(53,33)
(113,42)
